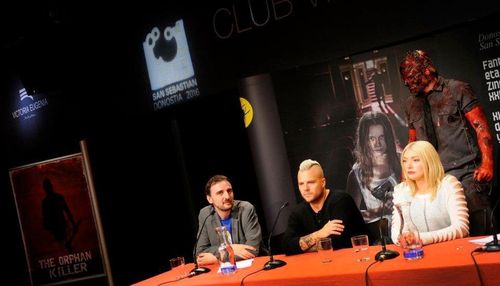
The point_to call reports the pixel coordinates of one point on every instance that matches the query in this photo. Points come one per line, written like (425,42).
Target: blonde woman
(438,206)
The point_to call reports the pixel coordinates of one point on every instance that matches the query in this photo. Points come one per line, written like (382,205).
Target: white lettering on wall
(241,17)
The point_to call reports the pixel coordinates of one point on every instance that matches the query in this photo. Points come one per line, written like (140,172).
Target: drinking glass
(325,250)
(178,266)
(360,244)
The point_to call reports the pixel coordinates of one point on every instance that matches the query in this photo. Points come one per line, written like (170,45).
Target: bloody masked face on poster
(417,71)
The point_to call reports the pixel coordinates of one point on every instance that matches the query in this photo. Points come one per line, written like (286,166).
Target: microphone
(272,263)
(493,246)
(197,270)
(384,254)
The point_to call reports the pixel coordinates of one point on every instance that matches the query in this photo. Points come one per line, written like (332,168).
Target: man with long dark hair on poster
(375,172)
(445,112)
(57,217)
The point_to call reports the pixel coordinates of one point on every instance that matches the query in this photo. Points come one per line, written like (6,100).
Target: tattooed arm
(296,240)
(332,227)
(308,242)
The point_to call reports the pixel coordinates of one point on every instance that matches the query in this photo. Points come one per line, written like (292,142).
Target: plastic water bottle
(409,237)
(227,259)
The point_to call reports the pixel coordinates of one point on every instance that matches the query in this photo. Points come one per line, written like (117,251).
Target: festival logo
(171,72)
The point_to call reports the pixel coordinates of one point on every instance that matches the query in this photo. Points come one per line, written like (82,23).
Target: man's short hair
(214,180)
(308,164)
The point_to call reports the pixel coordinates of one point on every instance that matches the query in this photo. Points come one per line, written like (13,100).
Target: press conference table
(447,263)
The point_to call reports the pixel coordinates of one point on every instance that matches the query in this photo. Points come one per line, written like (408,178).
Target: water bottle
(409,237)
(227,259)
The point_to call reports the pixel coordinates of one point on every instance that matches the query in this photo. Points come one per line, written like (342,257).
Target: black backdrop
(150,168)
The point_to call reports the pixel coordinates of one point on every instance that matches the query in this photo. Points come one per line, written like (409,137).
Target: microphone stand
(384,254)
(197,270)
(274,263)
(493,246)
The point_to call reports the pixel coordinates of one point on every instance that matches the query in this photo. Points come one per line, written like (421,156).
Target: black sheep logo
(164,47)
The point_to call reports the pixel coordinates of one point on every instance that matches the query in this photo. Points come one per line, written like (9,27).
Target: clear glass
(409,237)
(325,249)
(360,245)
(178,266)
(227,259)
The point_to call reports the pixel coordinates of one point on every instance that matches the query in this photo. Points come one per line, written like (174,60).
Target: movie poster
(320,107)
(57,221)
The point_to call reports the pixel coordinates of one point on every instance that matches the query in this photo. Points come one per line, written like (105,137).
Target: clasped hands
(408,238)
(240,250)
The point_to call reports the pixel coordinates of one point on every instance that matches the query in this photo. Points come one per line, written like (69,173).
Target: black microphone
(197,270)
(272,263)
(493,246)
(384,254)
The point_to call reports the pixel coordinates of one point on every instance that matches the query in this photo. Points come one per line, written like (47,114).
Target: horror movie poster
(57,221)
(349,113)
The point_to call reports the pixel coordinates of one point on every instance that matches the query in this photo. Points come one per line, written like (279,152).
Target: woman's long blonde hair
(433,168)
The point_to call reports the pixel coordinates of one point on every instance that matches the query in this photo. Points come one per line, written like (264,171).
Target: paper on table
(484,240)
(242,264)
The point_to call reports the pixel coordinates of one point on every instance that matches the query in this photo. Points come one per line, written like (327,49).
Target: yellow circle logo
(247,111)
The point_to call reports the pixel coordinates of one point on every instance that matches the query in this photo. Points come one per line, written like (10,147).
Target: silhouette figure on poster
(57,217)
(378,80)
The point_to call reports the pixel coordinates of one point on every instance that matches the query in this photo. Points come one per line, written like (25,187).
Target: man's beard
(224,208)
(318,198)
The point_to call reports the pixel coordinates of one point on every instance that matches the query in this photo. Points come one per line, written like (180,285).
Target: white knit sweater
(444,218)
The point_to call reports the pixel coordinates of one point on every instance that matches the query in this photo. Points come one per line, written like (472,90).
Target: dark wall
(150,168)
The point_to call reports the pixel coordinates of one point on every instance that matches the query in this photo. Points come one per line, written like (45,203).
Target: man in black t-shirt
(323,213)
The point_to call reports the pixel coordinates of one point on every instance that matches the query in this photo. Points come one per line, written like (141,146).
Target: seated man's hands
(206,258)
(243,251)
